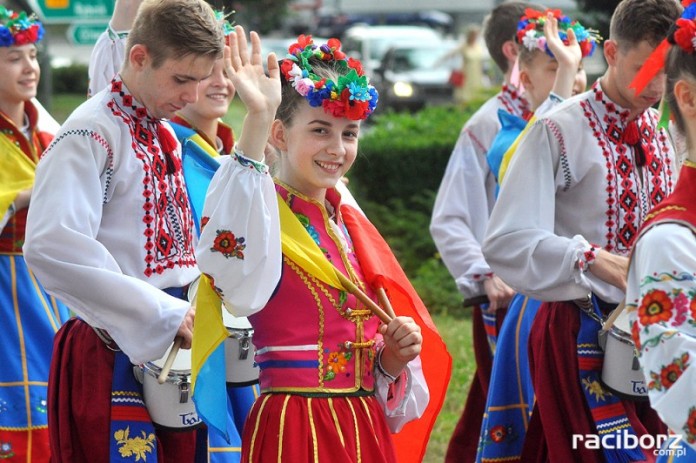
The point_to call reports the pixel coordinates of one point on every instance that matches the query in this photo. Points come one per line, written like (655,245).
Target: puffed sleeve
(521,245)
(660,297)
(239,247)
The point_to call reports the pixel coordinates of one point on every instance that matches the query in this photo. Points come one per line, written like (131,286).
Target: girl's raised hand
(259,92)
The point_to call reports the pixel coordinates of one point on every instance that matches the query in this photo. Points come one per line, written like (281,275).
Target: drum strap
(132,436)
(607,410)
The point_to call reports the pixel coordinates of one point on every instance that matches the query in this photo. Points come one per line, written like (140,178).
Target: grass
(455,327)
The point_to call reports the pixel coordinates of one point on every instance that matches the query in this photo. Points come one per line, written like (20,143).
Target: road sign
(68,11)
(85,34)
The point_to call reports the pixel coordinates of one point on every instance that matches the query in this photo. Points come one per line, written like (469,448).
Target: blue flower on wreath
(6,37)
(317,96)
(358,92)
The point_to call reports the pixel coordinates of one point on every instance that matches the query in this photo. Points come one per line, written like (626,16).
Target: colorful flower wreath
(351,97)
(225,24)
(530,32)
(18,28)
(684,31)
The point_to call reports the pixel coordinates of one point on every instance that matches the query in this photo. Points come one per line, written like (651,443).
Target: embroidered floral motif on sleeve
(229,245)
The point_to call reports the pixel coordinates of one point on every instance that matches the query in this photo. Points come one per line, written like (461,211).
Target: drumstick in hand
(614,315)
(382,294)
(364,298)
(162,378)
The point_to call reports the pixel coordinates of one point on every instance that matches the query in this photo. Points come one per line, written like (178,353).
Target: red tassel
(652,66)
(631,134)
(169,145)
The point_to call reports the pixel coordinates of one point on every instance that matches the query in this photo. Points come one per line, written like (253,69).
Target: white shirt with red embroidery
(467,193)
(110,225)
(661,300)
(573,184)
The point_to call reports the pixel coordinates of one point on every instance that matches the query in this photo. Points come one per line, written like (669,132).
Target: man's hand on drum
(185,331)
(402,343)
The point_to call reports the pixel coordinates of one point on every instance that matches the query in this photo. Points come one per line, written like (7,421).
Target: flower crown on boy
(18,28)
(351,96)
(530,32)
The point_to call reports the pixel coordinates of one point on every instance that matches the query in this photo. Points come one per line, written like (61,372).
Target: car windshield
(415,58)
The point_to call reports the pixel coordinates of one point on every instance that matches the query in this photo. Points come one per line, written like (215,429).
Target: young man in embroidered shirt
(110,231)
(460,215)
(576,192)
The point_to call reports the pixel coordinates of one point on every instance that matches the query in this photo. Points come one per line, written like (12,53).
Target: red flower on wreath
(685,34)
(229,245)
(498,433)
(655,307)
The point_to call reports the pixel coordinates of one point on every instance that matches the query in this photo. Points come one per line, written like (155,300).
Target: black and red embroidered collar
(514,102)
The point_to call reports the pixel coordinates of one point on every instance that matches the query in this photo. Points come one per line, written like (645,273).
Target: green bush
(70,79)
(395,178)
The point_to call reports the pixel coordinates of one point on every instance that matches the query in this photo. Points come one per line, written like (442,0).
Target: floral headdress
(530,32)
(18,28)
(225,24)
(683,34)
(351,96)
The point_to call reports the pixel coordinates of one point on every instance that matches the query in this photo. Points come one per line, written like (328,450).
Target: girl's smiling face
(317,149)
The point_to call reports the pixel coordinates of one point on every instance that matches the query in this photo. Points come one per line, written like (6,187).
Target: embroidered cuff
(483,276)
(241,158)
(587,257)
(114,35)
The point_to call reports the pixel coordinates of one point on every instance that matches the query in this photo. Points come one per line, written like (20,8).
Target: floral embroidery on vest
(137,447)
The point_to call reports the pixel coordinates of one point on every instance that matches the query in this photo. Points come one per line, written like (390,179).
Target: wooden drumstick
(162,378)
(614,315)
(386,303)
(364,298)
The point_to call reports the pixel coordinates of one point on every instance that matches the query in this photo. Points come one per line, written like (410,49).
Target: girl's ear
(525,80)
(685,94)
(278,135)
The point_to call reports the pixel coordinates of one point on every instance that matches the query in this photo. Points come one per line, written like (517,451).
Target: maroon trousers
(465,438)
(79,402)
(561,409)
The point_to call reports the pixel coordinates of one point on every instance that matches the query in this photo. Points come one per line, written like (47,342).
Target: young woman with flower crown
(661,292)
(28,315)
(335,383)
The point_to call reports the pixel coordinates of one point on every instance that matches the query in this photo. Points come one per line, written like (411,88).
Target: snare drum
(621,371)
(170,404)
(241,369)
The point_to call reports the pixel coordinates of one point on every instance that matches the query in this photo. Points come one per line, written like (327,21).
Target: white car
(370,43)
